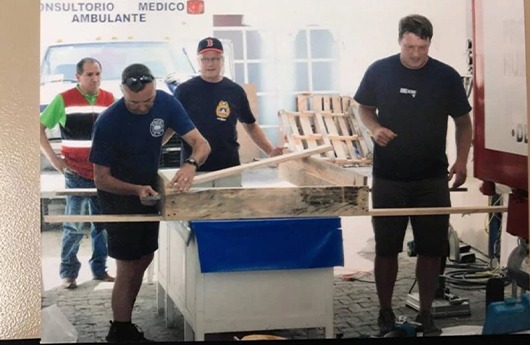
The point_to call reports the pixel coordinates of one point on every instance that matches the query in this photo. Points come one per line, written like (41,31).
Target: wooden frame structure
(327,167)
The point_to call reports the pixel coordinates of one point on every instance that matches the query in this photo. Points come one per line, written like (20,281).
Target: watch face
(192,161)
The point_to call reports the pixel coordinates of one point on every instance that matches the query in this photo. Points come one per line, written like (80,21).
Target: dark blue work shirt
(416,105)
(215,109)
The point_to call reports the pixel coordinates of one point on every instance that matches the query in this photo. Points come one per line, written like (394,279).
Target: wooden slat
(426,211)
(346,103)
(331,129)
(309,202)
(102,218)
(290,129)
(241,203)
(321,128)
(214,175)
(367,143)
(346,129)
(307,128)
(336,105)
(302,102)
(67,192)
(316,171)
(317,104)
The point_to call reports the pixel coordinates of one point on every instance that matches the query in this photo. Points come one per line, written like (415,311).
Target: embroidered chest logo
(406,91)
(157,127)
(222,111)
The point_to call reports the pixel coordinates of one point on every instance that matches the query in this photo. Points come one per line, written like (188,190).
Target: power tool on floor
(403,328)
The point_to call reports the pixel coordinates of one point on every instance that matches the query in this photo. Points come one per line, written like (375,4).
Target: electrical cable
(474,278)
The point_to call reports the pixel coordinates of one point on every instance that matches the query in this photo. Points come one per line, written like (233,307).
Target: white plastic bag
(55,327)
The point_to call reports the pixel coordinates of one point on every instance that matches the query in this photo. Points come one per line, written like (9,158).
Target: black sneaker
(386,321)
(125,333)
(428,327)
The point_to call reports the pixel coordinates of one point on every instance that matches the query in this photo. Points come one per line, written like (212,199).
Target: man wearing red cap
(215,104)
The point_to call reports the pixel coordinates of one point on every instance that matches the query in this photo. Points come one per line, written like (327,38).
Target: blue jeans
(73,232)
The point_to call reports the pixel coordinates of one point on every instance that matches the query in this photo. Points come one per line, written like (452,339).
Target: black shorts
(430,232)
(129,240)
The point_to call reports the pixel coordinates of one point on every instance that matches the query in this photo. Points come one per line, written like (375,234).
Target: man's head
(139,88)
(211,60)
(415,34)
(88,75)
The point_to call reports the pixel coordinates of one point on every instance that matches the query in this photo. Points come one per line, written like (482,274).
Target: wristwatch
(192,161)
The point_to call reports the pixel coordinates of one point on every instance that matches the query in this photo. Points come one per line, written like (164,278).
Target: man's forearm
(369,118)
(113,185)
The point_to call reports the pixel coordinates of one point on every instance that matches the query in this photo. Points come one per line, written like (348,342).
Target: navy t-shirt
(215,109)
(415,104)
(130,144)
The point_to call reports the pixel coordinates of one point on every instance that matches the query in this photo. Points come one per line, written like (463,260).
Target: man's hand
(382,136)
(183,178)
(277,151)
(59,165)
(459,172)
(148,196)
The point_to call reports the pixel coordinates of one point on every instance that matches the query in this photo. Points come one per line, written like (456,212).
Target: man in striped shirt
(75,110)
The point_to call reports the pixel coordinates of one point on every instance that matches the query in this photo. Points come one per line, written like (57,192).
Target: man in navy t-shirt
(405,101)
(215,104)
(126,147)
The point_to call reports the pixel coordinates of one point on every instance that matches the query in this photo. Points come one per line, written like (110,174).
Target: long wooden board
(243,167)
(428,211)
(246,212)
(60,218)
(168,173)
(240,203)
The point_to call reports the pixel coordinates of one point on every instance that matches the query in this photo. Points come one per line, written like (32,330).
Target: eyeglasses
(216,59)
(137,83)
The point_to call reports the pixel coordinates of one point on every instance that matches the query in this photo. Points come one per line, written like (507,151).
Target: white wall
(366,30)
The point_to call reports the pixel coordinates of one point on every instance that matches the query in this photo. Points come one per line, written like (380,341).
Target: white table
(237,301)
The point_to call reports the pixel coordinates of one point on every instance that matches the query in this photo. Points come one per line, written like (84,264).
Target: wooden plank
(346,104)
(305,123)
(320,127)
(369,144)
(59,218)
(326,102)
(241,203)
(307,202)
(331,129)
(291,130)
(425,211)
(167,174)
(328,173)
(264,162)
(346,130)
(317,104)
(66,192)
(336,105)
(248,151)
(302,102)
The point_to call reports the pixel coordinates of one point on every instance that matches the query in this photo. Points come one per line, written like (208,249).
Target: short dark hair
(416,24)
(82,62)
(135,77)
